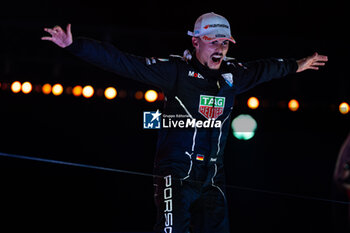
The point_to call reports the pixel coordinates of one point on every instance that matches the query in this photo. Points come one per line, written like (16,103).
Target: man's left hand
(312,62)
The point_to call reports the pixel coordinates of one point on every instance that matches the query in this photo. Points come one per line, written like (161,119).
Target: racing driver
(202,85)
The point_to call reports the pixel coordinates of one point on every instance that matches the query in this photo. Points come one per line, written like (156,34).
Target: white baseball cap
(211,26)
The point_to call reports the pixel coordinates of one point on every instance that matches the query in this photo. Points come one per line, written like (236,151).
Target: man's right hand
(59,36)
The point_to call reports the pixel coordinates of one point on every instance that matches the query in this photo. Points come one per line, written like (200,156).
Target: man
(201,86)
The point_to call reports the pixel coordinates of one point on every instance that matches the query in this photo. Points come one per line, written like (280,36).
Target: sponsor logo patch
(195,75)
(168,203)
(228,78)
(211,107)
(215,26)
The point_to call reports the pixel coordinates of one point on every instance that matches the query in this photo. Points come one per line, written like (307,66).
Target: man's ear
(195,42)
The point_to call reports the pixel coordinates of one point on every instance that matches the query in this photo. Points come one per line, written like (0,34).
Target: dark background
(291,153)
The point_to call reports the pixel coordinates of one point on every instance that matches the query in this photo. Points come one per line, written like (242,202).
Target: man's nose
(219,49)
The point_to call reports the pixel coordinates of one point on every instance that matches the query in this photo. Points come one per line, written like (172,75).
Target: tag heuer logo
(211,107)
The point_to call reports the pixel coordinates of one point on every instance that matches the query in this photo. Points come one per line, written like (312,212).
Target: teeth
(216,58)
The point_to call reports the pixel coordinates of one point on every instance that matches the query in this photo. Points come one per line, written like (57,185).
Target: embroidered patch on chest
(228,78)
(211,107)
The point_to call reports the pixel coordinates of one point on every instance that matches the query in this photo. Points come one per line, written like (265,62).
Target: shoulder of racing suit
(186,57)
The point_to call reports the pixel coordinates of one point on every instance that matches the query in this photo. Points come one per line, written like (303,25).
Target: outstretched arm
(157,72)
(312,62)
(259,71)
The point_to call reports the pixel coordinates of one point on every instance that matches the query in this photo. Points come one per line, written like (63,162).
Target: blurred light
(77,90)
(99,92)
(293,105)
(243,127)
(16,87)
(69,90)
(151,96)
(4,86)
(253,103)
(138,95)
(161,96)
(57,89)
(46,89)
(37,88)
(88,91)
(110,93)
(344,108)
(26,87)
(122,94)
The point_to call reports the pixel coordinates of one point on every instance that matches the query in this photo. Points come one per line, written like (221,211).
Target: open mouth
(216,58)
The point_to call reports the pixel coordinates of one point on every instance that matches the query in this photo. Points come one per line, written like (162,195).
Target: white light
(26,87)
(110,93)
(88,91)
(151,95)
(244,126)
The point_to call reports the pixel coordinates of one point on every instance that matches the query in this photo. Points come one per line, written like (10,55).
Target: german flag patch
(200,157)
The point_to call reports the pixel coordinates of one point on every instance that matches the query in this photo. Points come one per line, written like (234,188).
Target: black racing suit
(189,186)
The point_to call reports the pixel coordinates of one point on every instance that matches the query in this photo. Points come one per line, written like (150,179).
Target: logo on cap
(215,26)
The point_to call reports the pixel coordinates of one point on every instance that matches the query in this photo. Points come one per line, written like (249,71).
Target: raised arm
(158,72)
(255,72)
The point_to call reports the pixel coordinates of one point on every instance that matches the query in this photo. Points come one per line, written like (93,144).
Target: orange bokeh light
(46,89)
(138,95)
(293,105)
(253,103)
(77,90)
